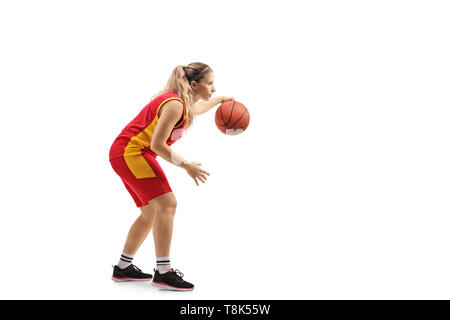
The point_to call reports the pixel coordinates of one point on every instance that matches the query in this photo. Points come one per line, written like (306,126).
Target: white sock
(125,260)
(163,264)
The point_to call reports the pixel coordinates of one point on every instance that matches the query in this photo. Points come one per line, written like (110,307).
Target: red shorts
(145,186)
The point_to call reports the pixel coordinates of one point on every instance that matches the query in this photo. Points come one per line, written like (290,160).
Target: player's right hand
(196,173)
(226,98)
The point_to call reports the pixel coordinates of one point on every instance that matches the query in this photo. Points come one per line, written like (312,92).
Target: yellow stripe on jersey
(132,153)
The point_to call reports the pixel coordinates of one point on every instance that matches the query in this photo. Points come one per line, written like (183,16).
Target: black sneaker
(130,273)
(172,280)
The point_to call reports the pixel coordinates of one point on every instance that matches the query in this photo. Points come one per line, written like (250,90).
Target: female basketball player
(133,157)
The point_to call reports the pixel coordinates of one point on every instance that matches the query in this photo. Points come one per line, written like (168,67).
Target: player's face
(205,88)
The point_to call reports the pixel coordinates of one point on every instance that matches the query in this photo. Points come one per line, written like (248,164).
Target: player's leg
(166,205)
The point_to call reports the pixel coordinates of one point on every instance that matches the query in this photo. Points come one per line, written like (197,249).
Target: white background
(338,189)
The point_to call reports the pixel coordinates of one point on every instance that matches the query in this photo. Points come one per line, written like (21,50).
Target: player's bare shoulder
(171,109)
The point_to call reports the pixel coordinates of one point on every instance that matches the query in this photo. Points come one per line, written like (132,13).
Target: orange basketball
(232,117)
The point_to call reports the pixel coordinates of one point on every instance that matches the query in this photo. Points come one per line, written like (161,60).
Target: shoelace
(179,273)
(136,268)
(176,271)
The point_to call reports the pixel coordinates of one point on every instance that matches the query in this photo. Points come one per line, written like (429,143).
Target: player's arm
(171,112)
(203,106)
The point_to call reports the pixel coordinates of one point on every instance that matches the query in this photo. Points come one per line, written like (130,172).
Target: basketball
(232,117)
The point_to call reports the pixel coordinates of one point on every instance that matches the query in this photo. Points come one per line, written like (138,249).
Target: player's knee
(148,213)
(168,209)
(166,204)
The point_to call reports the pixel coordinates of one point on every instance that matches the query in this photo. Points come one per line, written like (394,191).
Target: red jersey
(136,137)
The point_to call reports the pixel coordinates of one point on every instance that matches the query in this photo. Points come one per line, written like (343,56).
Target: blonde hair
(179,82)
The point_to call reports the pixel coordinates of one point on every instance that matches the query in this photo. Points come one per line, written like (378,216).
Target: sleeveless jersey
(136,137)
